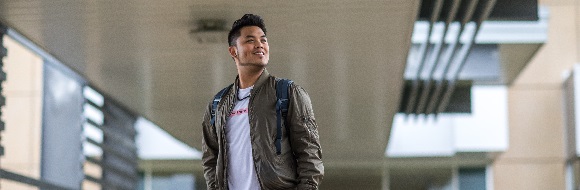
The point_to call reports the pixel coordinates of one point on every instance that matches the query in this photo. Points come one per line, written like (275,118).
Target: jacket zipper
(225,140)
(250,116)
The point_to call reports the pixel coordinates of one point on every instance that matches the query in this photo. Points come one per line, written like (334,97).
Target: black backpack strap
(282,86)
(216,101)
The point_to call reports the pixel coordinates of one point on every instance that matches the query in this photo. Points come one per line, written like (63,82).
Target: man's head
(248,42)
(246,20)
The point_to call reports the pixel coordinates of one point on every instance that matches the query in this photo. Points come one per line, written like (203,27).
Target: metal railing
(429,94)
(4,174)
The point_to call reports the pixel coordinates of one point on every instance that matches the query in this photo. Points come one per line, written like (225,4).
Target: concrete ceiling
(349,55)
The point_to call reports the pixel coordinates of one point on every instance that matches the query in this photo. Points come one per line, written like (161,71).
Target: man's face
(251,47)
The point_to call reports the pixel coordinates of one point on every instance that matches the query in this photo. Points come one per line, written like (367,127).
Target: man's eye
(250,41)
(264,41)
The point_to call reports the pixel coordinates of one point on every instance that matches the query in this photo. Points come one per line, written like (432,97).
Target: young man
(240,149)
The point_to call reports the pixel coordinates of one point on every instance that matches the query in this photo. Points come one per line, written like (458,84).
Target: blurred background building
(408,94)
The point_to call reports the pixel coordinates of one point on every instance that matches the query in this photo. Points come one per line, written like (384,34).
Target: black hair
(246,20)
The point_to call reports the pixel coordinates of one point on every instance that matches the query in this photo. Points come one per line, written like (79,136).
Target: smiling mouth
(259,53)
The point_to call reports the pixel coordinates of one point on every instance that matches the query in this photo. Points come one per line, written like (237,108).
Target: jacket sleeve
(304,139)
(210,150)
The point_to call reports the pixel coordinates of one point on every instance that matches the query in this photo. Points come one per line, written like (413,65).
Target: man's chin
(254,64)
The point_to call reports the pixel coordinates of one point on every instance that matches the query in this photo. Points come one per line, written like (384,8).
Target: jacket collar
(261,80)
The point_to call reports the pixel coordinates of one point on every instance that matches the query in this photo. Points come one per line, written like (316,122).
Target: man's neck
(248,77)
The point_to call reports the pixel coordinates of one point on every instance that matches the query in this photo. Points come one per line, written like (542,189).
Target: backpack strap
(216,100)
(282,86)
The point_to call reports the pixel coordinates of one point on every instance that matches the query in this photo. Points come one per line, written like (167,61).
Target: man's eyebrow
(250,36)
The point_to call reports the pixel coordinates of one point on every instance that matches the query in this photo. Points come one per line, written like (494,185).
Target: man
(239,149)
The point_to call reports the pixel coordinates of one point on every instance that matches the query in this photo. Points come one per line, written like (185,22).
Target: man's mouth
(259,53)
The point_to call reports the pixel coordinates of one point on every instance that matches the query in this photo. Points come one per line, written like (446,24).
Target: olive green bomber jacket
(299,166)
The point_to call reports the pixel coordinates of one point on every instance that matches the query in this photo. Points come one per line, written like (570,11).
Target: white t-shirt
(241,172)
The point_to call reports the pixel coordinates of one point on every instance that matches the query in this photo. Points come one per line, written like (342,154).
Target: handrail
(4,174)
(452,81)
(428,82)
(423,56)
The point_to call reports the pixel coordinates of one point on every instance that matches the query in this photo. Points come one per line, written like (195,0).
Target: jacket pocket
(311,127)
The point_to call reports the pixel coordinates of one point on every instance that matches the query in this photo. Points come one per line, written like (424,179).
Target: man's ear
(233,51)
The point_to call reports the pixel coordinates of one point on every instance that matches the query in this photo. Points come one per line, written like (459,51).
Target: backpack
(282,86)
